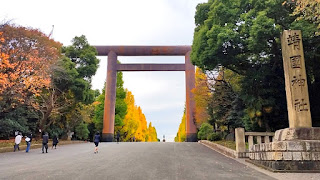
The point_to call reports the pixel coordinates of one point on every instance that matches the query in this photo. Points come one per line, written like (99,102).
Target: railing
(258,137)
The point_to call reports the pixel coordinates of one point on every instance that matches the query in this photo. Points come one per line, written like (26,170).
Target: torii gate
(110,96)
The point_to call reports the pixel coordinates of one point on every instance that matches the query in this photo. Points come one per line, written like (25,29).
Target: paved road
(132,161)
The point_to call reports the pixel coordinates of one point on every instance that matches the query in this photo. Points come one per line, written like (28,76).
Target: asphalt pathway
(125,161)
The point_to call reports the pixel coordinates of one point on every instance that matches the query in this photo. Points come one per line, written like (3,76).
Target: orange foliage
(201,97)
(25,59)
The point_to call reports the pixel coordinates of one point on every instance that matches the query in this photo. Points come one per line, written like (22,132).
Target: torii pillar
(191,130)
(110,96)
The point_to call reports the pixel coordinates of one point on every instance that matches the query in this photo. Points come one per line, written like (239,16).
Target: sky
(161,95)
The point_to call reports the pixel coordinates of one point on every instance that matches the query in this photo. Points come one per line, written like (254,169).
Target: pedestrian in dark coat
(118,137)
(55,142)
(96,141)
(45,139)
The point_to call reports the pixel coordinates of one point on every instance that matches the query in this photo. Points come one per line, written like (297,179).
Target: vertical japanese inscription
(298,81)
(295,61)
(294,40)
(295,79)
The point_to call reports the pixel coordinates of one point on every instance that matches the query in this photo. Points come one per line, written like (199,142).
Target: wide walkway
(127,161)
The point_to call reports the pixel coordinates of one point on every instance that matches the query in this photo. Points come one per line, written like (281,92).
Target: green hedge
(214,137)
(204,131)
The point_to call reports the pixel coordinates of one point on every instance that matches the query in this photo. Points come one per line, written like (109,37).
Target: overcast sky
(161,95)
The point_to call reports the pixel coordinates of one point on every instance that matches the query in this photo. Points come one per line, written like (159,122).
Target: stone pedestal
(294,150)
(240,140)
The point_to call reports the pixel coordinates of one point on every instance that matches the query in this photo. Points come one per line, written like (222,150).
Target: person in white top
(17,141)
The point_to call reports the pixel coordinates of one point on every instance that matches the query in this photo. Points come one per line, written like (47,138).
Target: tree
(204,131)
(70,87)
(181,134)
(70,92)
(141,132)
(131,121)
(201,97)
(26,57)
(307,9)
(152,134)
(82,131)
(135,123)
(221,102)
(243,36)
(86,64)
(120,106)
(40,88)
(22,118)
(236,114)
(57,100)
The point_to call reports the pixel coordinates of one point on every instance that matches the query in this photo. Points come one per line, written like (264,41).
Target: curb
(219,148)
(35,146)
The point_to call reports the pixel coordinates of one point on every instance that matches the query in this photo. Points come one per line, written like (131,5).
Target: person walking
(17,141)
(96,141)
(118,137)
(45,139)
(55,142)
(28,141)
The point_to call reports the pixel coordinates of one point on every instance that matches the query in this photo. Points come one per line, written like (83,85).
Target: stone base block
(287,150)
(107,137)
(192,137)
(288,166)
(293,150)
(290,134)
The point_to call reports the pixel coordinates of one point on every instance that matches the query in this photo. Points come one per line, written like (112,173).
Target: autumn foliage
(201,97)
(307,9)
(181,134)
(135,123)
(47,87)
(25,59)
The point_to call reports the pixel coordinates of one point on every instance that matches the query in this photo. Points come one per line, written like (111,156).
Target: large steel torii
(110,96)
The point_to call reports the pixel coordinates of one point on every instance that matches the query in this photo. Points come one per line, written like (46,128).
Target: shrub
(214,137)
(82,131)
(204,131)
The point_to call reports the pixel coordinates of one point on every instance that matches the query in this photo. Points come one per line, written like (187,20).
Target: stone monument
(297,148)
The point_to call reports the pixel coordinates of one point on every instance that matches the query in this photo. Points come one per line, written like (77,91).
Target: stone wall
(286,150)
